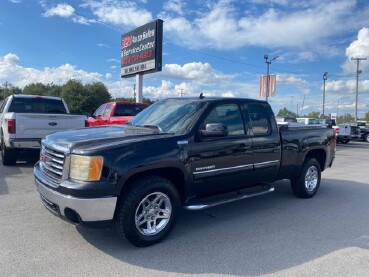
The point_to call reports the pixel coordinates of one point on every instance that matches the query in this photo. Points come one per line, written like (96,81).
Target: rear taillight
(11,126)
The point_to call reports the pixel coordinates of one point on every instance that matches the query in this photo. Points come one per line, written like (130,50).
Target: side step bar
(200,204)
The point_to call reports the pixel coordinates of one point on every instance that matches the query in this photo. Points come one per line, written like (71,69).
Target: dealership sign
(142,49)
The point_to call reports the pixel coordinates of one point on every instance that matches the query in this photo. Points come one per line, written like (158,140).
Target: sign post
(142,53)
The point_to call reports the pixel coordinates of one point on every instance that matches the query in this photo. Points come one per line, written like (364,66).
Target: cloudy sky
(214,47)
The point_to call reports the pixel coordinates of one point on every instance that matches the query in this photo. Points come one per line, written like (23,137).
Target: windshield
(169,115)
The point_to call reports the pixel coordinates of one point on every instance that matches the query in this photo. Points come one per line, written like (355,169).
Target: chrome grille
(51,163)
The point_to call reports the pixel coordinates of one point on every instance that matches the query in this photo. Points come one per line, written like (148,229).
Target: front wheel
(307,183)
(147,212)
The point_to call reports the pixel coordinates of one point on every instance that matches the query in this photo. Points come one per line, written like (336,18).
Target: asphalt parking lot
(271,235)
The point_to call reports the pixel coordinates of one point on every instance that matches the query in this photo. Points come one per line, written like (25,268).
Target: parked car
(285,119)
(307,120)
(343,131)
(194,153)
(26,119)
(119,112)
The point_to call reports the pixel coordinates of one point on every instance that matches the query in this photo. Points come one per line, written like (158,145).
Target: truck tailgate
(345,130)
(39,125)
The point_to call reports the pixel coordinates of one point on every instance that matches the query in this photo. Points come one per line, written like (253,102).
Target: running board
(204,203)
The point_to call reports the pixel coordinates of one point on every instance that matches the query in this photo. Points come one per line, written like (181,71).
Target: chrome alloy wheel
(153,213)
(311,178)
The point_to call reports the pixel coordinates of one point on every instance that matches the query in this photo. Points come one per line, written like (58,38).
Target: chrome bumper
(89,210)
(25,143)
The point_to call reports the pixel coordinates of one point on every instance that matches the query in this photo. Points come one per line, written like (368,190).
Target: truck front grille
(51,163)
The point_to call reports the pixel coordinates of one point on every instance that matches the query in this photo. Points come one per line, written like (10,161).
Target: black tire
(138,202)
(367,138)
(307,183)
(8,156)
(345,141)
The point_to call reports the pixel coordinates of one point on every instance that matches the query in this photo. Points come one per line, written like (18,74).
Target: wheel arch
(172,174)
(318,154)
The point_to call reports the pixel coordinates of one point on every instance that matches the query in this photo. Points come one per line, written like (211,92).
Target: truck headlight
(84,168)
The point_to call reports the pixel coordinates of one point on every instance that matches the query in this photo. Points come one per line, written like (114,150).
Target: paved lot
(273,235)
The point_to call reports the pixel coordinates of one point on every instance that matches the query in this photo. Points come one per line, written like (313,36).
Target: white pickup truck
(26,119)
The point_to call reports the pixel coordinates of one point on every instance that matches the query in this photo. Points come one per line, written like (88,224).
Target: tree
(314,115)
(366,117)
(84,98)
(345,118)
(286,113)
(8,89)
(132,100)
(74,95)
(97,95)
(35,89)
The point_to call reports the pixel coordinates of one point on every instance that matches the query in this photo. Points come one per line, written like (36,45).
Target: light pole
(268,62)
(358,71)
(325,77)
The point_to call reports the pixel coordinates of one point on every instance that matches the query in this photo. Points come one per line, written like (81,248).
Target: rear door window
(128,110)
(259,119)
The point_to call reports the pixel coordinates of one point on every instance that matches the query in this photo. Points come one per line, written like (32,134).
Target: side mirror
(214,130)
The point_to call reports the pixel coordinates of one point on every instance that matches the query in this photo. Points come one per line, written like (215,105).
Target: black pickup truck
(193,153)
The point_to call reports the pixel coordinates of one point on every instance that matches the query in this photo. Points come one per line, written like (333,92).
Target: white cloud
(119,12)
(10,59)
(200,73)
(18,75)
(287,79)
(108,75)
(175,6)
(359,48)
(16,1)
(222,26)
(62,10)
(103,45)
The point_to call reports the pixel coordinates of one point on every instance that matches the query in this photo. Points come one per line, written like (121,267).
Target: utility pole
(5,90)
(358,71)
(292,104)
(181,93)
(338,105)
(303,102)
(268,62)
(325,77)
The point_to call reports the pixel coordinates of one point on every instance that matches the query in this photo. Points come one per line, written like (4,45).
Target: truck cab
(118,112)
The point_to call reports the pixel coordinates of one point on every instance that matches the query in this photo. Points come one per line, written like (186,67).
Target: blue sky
(214,47)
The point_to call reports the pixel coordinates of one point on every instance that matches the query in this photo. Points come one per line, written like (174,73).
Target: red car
(119,112)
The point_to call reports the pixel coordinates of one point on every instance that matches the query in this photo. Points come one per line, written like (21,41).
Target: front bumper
(74,209)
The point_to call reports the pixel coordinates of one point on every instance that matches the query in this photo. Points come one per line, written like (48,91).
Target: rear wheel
(345,141)
(147,213)
(8,156)
(307,183)
(367,138)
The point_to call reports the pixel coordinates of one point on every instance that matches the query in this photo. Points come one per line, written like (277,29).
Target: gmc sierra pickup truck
(193,153)
(26,119)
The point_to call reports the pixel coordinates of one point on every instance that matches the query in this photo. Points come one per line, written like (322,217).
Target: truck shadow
(25,160)
(262,235)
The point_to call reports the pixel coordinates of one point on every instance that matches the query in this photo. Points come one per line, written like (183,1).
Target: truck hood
(93,138)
